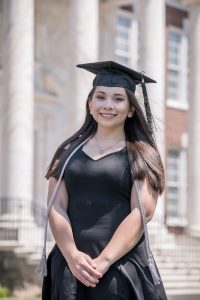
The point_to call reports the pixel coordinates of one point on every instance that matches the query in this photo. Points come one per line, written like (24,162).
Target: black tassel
(146,103)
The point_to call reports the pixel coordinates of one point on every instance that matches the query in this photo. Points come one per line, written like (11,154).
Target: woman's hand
(84,268)
(102,264)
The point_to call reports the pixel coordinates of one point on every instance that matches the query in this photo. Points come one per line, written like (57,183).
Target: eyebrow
(114,94)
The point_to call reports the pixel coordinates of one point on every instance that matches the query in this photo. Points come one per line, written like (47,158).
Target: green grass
(14,298)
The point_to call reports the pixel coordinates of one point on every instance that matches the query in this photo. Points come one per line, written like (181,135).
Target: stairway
(177,256)
(178,263)
(180,278)
(178,260)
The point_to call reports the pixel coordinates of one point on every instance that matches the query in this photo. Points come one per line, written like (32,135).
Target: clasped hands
(86,269)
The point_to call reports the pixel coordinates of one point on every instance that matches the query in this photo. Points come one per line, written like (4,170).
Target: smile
(107,115)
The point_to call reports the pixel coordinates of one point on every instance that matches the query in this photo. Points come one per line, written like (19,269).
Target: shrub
(4,291)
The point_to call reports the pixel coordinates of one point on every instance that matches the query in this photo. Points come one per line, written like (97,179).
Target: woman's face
(110,106)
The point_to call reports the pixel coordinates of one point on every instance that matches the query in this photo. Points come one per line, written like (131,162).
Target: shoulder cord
(151,263)
(42,266)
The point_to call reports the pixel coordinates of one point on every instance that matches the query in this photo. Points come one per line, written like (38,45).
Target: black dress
(99,200)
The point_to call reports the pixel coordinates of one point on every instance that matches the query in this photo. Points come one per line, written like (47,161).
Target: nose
(108,104)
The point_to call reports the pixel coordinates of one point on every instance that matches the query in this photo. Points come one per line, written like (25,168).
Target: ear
(89,103)
(131,112)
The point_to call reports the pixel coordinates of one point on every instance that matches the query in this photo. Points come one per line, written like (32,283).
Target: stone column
(107,29)
(83,42)
(18,68)
(194,119)
(151,18)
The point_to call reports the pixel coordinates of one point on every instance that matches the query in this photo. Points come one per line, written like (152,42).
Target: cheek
(95,106)
(124,109)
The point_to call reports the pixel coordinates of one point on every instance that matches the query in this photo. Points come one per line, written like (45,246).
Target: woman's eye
(100,97)
(119,99)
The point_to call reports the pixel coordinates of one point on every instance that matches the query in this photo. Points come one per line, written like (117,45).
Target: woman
(103,187)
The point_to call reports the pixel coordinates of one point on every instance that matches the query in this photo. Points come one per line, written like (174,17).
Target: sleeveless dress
(99,200)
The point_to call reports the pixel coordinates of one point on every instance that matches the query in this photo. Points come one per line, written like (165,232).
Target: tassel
(42,267)
(154,272)
(146,103)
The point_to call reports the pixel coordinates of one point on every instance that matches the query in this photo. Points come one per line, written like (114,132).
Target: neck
(110,135)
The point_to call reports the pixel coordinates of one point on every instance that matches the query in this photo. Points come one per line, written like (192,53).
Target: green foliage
(19,298)
(4,291)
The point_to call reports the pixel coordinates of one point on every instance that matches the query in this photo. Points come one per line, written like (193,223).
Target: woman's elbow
(149,215)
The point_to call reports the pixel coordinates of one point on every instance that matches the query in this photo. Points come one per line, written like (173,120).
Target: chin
(111,125)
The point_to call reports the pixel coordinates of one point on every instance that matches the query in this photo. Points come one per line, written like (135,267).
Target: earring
(130,114)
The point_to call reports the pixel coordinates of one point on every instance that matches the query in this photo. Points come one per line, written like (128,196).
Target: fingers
(86,282)
(90,267)
(89,277)
(83,268)
(91,271)
(86,278)
(90,261)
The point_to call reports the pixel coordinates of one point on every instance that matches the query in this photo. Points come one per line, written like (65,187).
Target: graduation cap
(112,74)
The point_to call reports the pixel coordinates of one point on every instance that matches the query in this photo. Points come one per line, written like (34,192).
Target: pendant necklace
(101,150)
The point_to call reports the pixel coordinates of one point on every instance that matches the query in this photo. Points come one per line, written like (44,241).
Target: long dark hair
(141,146)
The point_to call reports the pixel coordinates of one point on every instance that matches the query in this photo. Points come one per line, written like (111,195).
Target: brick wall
(176,119)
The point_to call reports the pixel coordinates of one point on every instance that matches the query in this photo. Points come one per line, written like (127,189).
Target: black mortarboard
(112,74)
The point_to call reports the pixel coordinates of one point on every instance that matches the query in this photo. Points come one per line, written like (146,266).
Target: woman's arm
(130,230)
(80,264)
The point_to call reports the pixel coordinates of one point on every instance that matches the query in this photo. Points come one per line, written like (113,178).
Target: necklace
(102,150)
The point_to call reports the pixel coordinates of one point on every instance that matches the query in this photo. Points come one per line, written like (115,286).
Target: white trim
(131,55)
(177,179)
(182,68)
(175,104)
(182,201)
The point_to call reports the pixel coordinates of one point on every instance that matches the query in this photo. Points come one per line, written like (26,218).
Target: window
(176,187)
(126,48)
(177,68)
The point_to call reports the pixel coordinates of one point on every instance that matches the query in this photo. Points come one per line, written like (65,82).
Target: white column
(83,43)
(18,68)
(151,18)
(194,119)
(107,28)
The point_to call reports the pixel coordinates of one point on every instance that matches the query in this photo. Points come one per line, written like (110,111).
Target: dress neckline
(102,156)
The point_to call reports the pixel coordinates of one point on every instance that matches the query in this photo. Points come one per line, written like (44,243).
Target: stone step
(180,271)
(182,285)
(183,294)
(164,260)
(172,257)
(178,265)
(8,245)
(176,250)
(181,277)
(23,251)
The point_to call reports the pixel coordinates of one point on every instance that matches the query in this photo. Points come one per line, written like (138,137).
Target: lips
(107,115)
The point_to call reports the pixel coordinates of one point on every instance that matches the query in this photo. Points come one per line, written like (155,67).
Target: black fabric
(113,74)
(99,199)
